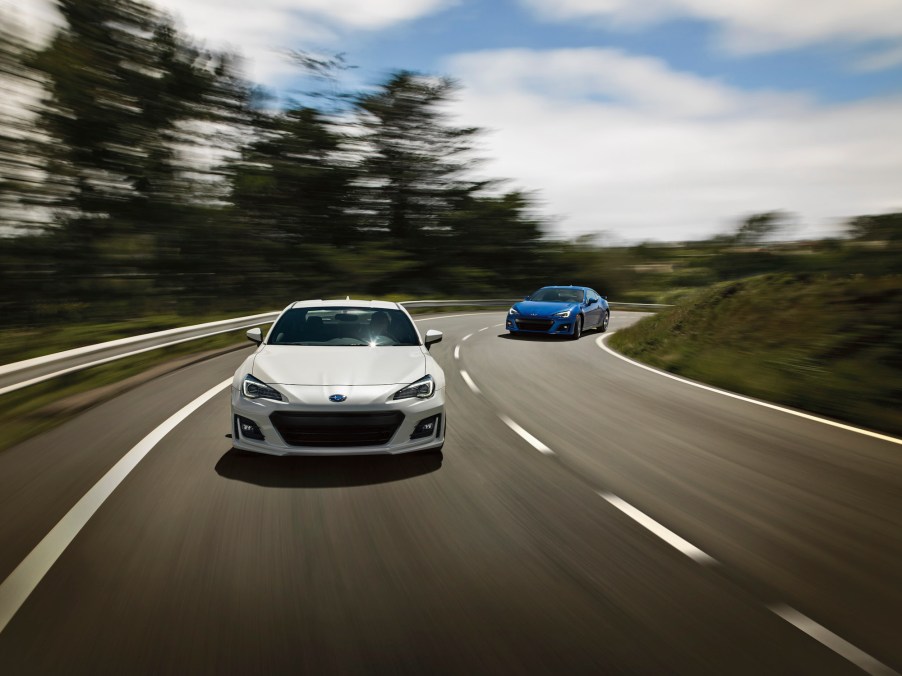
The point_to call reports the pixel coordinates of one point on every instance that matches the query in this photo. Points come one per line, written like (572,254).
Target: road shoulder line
(16,588)
(766,404)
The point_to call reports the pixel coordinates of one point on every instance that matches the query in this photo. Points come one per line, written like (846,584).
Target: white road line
(497,325)
(807,416)
(465,337)
(662,532)
(15,589)
(457,351)
(469,381)
(485,328)
(531,440)
(838,645)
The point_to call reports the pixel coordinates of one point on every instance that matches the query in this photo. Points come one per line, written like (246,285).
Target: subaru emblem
(337,398)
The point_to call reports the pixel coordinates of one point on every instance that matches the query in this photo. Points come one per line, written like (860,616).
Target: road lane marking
(485,328)
(16,588)
(826,637)
(465,337)
(662,532)
(457,351)
(807,416)
(469,381)
(531,440)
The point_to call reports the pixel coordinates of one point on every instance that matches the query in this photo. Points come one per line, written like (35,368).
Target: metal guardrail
(615,305)
(21,374)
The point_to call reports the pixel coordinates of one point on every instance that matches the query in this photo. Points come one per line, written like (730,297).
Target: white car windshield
(343,326)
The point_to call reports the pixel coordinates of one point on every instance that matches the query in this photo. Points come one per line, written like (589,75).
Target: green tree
(127,98)
(413,168)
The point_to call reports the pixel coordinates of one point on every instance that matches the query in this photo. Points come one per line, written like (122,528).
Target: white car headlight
(562,315)
(422,389)
(513,311)
(257,389)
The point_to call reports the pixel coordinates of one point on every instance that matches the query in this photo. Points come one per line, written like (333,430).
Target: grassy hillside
(828,345)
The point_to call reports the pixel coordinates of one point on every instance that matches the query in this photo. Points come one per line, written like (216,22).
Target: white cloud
(264,29)
(880,60)
(747,25)
(624,144)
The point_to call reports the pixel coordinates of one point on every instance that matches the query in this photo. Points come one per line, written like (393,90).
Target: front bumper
(358,426)
(546,325)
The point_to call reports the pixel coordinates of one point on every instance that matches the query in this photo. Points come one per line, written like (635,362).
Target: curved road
(588,516)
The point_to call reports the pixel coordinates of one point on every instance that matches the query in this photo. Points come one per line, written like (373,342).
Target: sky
(629,119)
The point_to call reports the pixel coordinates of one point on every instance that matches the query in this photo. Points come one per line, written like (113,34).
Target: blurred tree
(127,98)
(412,171)
(758,228)
(882,228)
(293,183)
(24,190)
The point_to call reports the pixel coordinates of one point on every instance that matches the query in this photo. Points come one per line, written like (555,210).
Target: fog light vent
(426,427)
(248,428)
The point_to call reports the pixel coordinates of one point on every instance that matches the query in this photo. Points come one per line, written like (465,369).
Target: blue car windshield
(344,326)
(556,295)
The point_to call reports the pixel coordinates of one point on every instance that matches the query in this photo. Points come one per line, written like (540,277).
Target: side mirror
(527,298)
(432,336)
(255,335)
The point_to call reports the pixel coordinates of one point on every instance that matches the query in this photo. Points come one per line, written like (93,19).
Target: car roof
(362,304)
(565,286)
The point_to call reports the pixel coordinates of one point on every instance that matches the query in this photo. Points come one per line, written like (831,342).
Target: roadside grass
(40,407)
(828,345)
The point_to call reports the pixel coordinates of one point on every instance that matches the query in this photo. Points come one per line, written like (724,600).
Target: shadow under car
(319,471)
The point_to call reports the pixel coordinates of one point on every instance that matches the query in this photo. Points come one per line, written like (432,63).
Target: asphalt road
(519,551)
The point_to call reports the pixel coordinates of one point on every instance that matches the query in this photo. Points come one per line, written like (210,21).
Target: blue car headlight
(562,315)
(513,311)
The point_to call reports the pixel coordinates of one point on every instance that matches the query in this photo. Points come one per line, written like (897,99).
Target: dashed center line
(662,532)
(484,328)
(837,644)
(531,440)
(816,631)
(465,337)
(469,381)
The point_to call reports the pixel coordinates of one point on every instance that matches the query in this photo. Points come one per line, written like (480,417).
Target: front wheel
(577,328)
(604,322)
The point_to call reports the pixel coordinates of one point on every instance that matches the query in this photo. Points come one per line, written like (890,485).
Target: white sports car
(338,377)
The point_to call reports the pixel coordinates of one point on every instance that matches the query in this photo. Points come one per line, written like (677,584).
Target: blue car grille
(337,429)
(534,324)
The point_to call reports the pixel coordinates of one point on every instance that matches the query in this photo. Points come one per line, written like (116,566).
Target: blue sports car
(560,310)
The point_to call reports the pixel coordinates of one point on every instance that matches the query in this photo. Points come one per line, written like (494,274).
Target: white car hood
(339,365)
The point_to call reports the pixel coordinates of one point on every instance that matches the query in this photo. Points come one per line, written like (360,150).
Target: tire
(577,328)
(604,322)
